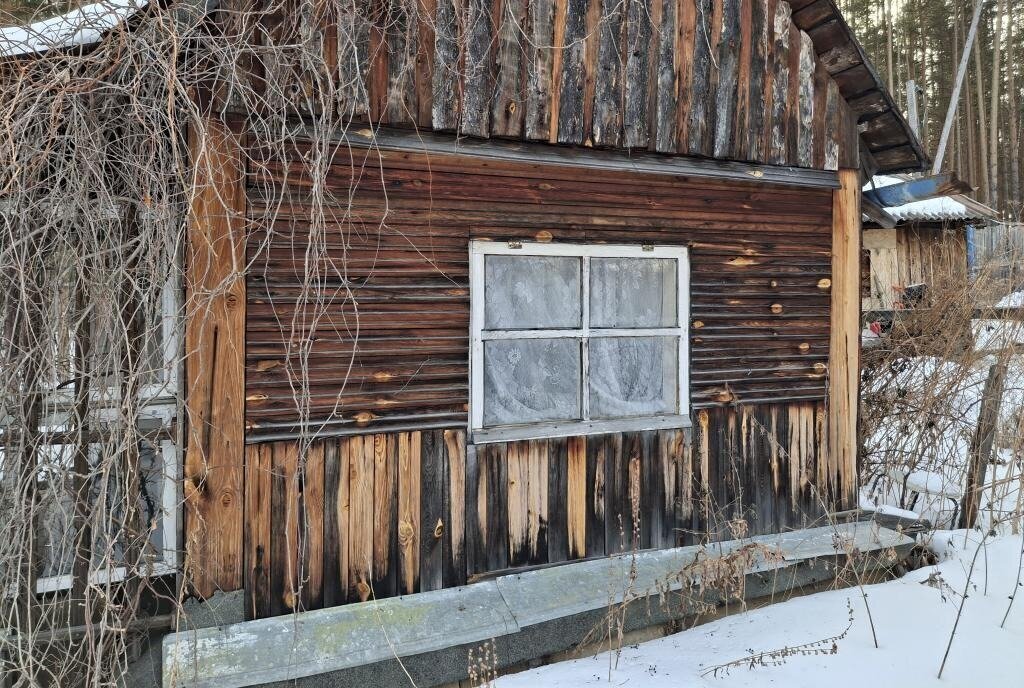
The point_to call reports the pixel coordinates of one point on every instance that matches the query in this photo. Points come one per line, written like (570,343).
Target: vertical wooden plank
(447,85)
(455,515)
(401,38)
(728,77)
(591,41)
(377,77)
(558,499)
(653,66)
(335,524)
(638,57)
(313,528)
(518,459)
(805,103)
(607,126)
(558,42)
(596,512)
(702,477)
(849,147)
(475,534)
(676,458)
(686,39)
(478,72)
(257,530)
(352,45)
(425,47)
(409,476)
(779,125)
(537,502)
(576,496)
(700,132)
(509,105)
(653,505)
(215,361)
(540,57)
(361,526)
(618,520)
(819,123)
(492,507)
(284,529)
(743,66)
(666,133)
(833,139)
(758,99)
(573,74)
(432,525)
(844,339)
(385,515)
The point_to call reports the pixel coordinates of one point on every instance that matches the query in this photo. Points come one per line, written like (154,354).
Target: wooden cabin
(927,245)
(602,304)
(586,281)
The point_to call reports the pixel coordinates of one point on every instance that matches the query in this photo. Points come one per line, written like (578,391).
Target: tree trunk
(979,84)
(1014,117)
(993,134)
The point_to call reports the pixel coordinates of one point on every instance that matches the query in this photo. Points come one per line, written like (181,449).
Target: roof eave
(884,130)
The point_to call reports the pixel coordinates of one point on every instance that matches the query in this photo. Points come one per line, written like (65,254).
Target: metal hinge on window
(515,244)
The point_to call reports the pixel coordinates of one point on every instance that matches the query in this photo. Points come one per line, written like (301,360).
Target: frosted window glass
(633,292)
(532,292)
(530,380)
(633,376)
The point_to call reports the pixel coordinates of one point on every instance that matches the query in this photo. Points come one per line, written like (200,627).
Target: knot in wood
(439,529)
(231,301)
(226,497)
(405,533)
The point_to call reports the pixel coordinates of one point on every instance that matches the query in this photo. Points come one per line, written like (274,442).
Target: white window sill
(541,431)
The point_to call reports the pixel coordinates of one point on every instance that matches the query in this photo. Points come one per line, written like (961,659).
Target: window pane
(529,380)
(633,292)
(532,292)
(633,376)
(112,534)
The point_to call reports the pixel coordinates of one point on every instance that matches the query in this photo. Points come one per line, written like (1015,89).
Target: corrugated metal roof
(934,209)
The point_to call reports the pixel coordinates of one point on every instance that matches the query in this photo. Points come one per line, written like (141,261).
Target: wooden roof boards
(883,129)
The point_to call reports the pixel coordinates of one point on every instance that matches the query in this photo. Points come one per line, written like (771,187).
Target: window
(577,339)
(155,535)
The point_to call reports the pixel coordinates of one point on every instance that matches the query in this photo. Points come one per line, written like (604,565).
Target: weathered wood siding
(374,299)
(382,286)
(915,253)
(733,79)
(373,516)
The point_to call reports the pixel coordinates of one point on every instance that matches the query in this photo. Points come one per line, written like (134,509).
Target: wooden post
(981,444)
(215,361)
(844,345)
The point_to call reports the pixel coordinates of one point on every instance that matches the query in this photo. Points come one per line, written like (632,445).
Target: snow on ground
(913,617)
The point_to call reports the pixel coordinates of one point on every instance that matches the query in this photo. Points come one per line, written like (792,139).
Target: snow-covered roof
(934,209)
(79,27)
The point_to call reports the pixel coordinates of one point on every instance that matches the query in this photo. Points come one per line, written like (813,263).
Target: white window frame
(479,250)
(167,562)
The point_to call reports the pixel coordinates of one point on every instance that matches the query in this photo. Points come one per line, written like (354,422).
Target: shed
(929,244)
(570,279)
